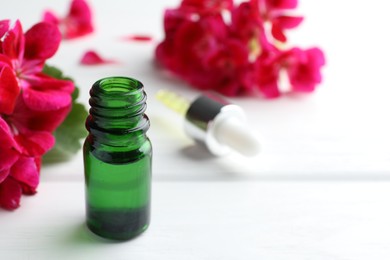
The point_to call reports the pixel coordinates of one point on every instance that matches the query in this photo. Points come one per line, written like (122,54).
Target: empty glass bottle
(117,159)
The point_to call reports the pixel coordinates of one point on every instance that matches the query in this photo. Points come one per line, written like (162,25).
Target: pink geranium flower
(25,55)
(301,66)
(20,163)
(77,23)
(32,105)
(304,68)
(235,49)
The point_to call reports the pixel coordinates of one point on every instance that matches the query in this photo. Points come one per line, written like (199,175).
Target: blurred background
(340,130)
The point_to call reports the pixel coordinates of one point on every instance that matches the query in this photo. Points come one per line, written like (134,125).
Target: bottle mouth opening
(119,85)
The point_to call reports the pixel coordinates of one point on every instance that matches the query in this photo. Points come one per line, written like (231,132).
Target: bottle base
(118,224)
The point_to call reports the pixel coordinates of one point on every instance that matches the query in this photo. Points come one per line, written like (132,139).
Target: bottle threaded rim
(117,85)
(117,92)
(118,105)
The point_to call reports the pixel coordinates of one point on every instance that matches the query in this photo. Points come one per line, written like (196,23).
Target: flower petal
(277,33)
(288,22)
(4,27)
(267,74)
(46,93)
(8,158)
(93,58)
(206,7)
(13,44)
(281,4)
(8,149)
(26,172)
(9,90)
(247,24)
(42,41)
(25,118)
(35,143)
(46,100)
(4,174)
(173,19)
(50,17)
(6,138)
(42,81)
(138,38)
(317,56)
(79,20)
(10,193)
(270,90)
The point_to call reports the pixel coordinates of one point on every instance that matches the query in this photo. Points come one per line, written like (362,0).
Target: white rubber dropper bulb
(235,133)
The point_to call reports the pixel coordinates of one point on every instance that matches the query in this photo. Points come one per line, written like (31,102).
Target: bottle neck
(117,113)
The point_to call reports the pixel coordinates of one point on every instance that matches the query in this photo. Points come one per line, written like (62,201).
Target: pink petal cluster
(32,106)
(77,23)
(235,49)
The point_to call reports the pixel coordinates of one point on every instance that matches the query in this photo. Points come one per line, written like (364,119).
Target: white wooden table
(320,189)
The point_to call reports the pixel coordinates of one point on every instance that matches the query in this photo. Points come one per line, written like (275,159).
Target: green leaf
(53,72)
(69,134)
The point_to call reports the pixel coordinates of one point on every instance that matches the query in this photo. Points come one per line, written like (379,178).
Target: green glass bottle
(117,159)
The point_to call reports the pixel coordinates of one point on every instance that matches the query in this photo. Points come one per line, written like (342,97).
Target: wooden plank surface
(213,220)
